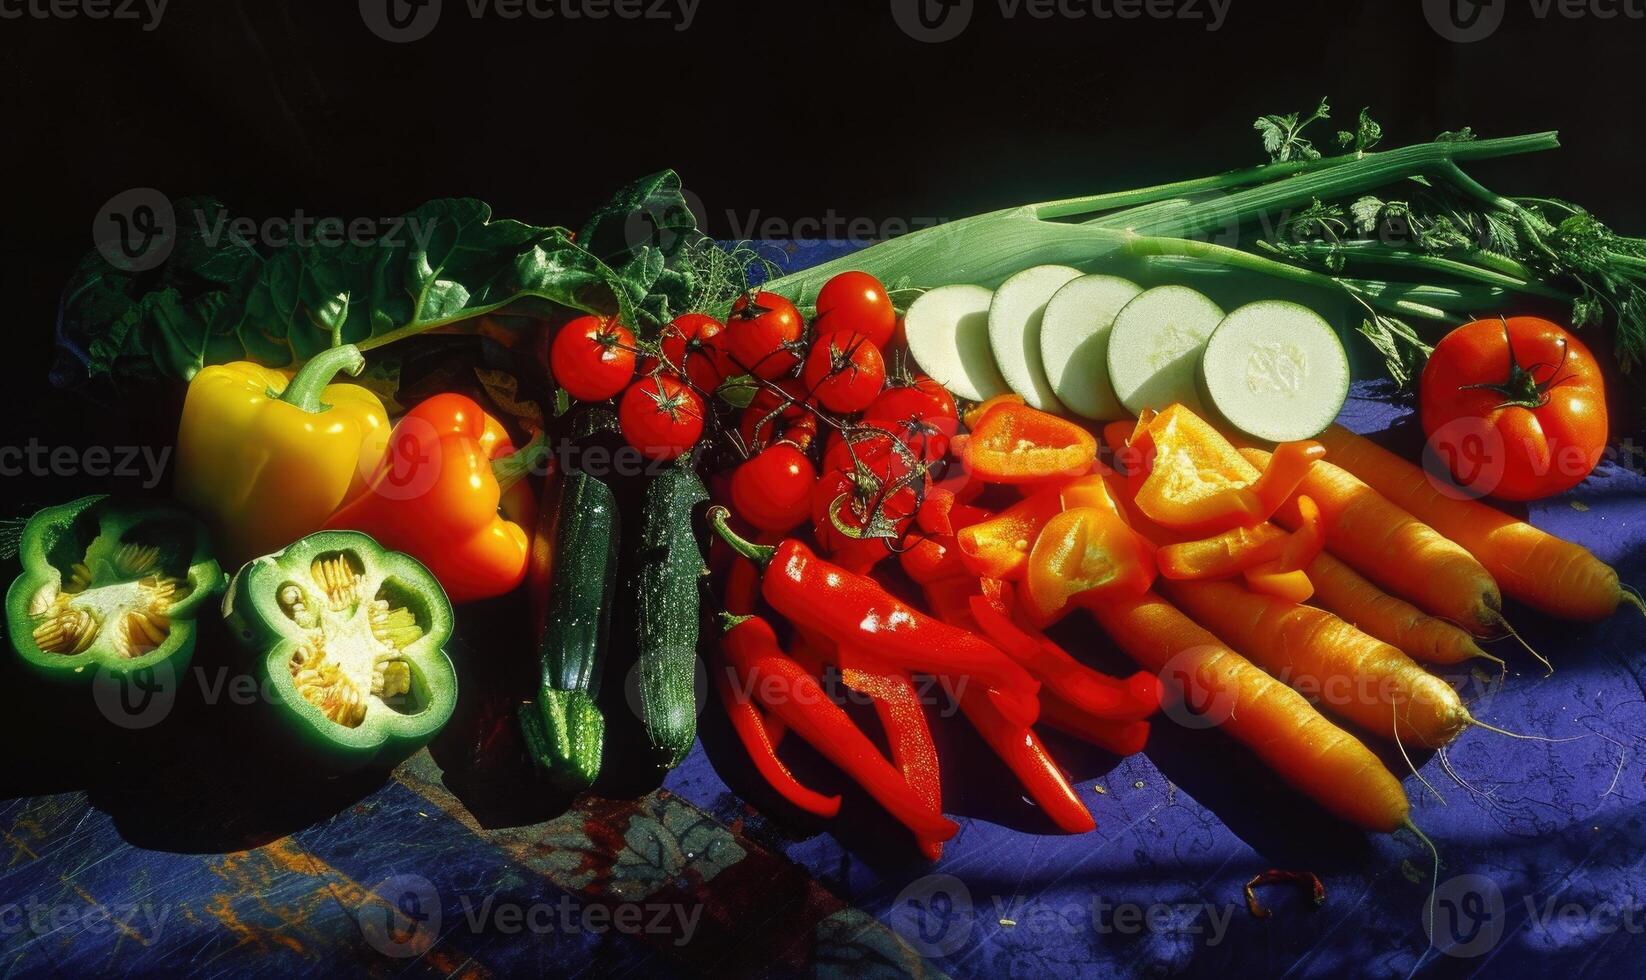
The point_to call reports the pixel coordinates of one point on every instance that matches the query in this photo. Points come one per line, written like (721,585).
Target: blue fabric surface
(1540,840)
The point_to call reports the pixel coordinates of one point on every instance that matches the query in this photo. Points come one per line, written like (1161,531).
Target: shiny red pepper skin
(1019,747)
(791,692)
(759,739)
(857,611)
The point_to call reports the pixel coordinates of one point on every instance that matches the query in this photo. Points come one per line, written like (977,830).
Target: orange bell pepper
(998,547)
(1019,444)
(1284,576)
(1084,554)
(436,498)
(1200,484)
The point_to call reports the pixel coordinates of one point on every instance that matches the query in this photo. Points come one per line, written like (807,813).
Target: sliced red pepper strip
(1019,444)
(750,724)
(975,415)
(1074,683)
(855,610)
(950,600)
(1026,757)
(931,558)
(1122,738)
(898,706)
(1081,554)
(791,692)
(942,512)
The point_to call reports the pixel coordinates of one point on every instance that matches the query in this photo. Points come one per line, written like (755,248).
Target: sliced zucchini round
(1015,319)
(1276,371)
(1155,347)
(1074,343)
(948,333)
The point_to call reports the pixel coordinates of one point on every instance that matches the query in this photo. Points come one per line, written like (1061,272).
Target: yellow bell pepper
(266,461)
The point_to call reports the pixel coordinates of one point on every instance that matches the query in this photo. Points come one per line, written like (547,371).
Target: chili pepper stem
(760,554)
(730,621)
(310,382)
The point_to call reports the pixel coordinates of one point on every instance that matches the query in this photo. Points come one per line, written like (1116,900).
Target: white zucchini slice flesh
(948,333)
(1074,343)
(1276,371)
(1015,319)
(1155,347)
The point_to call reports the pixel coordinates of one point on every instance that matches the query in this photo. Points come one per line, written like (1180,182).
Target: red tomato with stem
(771,411)
(920,398)
(845,372)
(866,503)
(762,334)
(696,344)
(592,358)
(1514,407)
(660,417)
(856,302)
(773,491)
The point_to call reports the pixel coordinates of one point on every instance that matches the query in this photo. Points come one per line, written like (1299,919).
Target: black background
(779,115)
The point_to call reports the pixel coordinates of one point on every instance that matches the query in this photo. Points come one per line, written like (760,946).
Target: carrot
(1344,591)
(1395,549)
(1357,677)
(1314,756)
(1557,577)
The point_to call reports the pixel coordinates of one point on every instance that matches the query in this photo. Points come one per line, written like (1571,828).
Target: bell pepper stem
(511,469)
(305,388)
(760,554)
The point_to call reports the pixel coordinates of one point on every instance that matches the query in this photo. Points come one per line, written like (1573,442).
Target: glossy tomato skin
(756,426)
(696,344)
(856,301)
(922,398)
(758,335)
(845,371)
(660,417)
(592,358)
(773,491)
(1514,451)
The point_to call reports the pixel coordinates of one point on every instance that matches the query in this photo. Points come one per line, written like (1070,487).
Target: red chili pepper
(930,558)
(942,512)
(856,611)
(753,730)
(1074,683)
(789,691)
(1019,747)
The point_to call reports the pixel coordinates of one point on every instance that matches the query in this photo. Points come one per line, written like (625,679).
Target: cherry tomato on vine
(773,491)
(920,398)
(760,334)
(856,301)
(1515,407)
(660,417)
(755,425)
(696,344)
(845,371)
(592,358)
(865,502)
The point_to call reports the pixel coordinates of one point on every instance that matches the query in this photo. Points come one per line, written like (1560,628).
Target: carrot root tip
(1629,596)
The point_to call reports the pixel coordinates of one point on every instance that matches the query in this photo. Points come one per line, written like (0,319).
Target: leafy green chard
(218,298)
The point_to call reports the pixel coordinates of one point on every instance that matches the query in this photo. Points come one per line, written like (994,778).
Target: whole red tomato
(1514,407)
(787,411)
(856,301)
(761,334)
(592,358)
(660,417)
(773,491)
(696,344)
(920,398)
(845,371)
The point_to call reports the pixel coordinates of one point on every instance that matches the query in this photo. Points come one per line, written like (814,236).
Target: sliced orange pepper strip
(974,416)
(1018,444)
(1083,553)
(1222,555)
(1269,579)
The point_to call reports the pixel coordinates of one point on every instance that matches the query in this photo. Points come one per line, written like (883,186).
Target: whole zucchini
(670,567)
(563,726)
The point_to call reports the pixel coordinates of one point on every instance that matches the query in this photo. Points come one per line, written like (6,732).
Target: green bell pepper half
(349,639)
(109,584)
